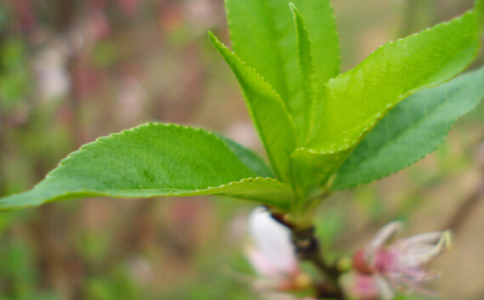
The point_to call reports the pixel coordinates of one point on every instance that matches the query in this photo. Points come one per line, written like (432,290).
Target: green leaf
(358,99)
(153,160)
(249,158)
(395,71)
(267,111)
(264,36)
(307,69)
(413,129)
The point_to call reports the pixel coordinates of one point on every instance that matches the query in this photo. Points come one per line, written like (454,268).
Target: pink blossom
(385,268)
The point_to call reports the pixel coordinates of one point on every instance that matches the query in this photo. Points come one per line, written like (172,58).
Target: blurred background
(75,70)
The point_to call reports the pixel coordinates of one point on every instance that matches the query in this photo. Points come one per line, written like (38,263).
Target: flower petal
(420,249)
(260,263)
(425,238)
(382,237)
(273,241)
(384,287)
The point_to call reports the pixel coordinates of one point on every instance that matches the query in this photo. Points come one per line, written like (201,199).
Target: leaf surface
(249,158)
(395,71)
(357,100)
(268,113)
(307,69)
(413,129)
(154,160)
(264,36)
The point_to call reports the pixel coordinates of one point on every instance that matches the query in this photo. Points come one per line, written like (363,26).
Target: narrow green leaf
(357,100)
(307,69)
(263,35)
(153,160)
(267,111)
(413,129)
(395,71)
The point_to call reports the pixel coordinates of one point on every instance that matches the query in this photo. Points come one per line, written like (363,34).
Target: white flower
(273,255)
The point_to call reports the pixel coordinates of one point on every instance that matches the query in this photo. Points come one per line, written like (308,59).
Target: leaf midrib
(167,191)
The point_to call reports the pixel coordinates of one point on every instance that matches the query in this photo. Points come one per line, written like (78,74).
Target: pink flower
(385,268)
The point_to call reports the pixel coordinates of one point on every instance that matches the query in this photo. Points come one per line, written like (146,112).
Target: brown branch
(308,249)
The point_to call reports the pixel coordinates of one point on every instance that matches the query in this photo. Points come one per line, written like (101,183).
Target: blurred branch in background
(417,14)
(468,206)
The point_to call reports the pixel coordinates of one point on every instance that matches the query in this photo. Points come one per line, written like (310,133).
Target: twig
(308,249)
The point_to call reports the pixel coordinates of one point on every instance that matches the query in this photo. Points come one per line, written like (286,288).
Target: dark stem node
(308,249)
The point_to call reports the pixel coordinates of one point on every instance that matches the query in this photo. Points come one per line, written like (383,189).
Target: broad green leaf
(358,99)
(264,36)
(395,71)
(249,158)
(307,69)
(413,129)
(153,160)
(267,111)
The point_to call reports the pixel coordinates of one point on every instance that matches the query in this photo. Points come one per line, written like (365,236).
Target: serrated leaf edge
(310,88)
(386,174)
(279,59)
(279,100)
(134,129)
(443,24)
(85,193)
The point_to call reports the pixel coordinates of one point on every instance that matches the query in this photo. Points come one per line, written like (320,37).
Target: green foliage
(249,158)
(285,57)
(264,36)
(267,111)
(411,131)
(154,160)
(307,69)
(392,73)
(357,100)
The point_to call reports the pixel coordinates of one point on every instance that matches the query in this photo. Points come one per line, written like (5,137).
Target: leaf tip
(215,41)
(295,13)
(211,36)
